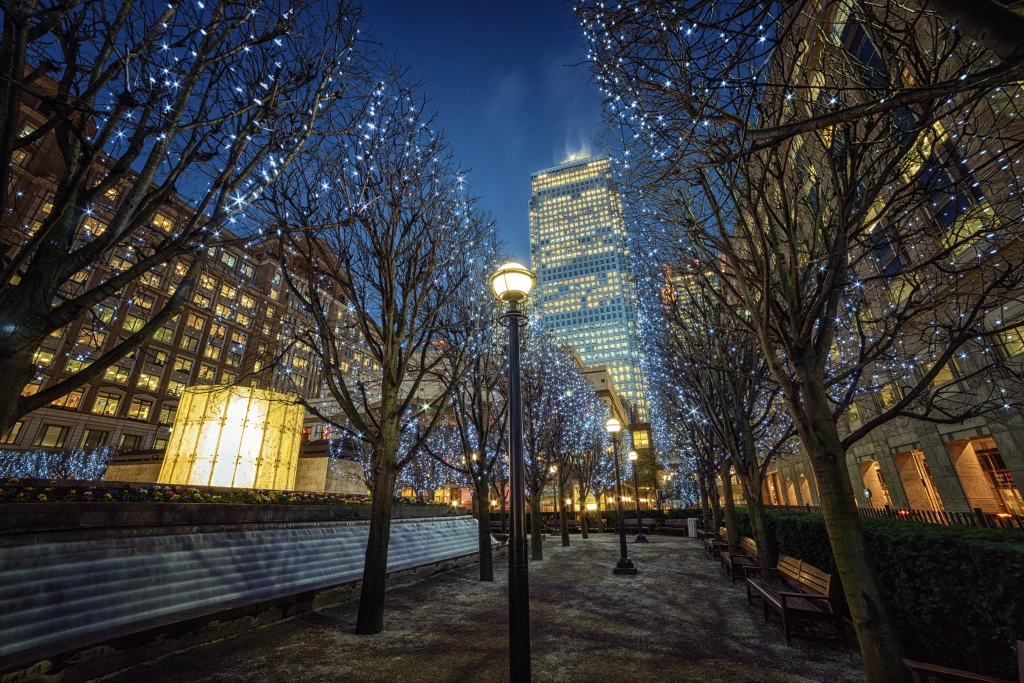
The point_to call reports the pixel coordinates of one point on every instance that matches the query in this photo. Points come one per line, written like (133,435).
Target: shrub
(956,592)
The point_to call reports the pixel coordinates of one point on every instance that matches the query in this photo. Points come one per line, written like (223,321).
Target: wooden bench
(647,524)
(796,590)
(673,527)
(734,559)
(713,543)
(570,524)
(923,673)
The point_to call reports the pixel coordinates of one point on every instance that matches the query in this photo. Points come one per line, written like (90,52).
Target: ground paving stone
(679,619)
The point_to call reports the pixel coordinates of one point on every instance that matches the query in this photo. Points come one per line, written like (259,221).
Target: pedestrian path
(677,620)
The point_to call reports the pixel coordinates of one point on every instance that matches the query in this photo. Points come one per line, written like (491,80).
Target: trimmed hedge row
(957,593)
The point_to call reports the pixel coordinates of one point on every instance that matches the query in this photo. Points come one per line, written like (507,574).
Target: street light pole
(640,537)
(512,284)
(624,565)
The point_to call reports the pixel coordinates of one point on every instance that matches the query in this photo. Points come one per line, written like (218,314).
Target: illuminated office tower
(579,251)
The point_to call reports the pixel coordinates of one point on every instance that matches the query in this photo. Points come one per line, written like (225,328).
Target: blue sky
(498,74)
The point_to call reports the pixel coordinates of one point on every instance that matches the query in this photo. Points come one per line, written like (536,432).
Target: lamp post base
(625,566)
(641,538)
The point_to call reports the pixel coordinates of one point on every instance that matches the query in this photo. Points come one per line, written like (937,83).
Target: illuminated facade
(580,253)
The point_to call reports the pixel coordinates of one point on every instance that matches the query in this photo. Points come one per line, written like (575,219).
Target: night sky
(498,74)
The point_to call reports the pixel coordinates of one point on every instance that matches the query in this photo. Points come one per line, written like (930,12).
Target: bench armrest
(749,569)
(828,599)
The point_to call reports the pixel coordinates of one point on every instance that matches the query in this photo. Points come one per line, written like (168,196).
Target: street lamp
(640,538)
(625,565)
(512,284)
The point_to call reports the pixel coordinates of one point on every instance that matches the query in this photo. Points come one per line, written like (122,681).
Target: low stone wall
(72,570)
(22,523)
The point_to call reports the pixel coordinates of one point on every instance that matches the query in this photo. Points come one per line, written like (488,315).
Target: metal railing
(976,518)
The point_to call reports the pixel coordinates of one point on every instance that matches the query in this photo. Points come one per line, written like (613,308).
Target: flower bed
(17,491)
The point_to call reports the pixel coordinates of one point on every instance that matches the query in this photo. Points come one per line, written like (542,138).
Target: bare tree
(376,228)
(843,176)
(133,134)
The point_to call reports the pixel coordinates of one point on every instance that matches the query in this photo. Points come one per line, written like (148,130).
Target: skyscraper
(579,250)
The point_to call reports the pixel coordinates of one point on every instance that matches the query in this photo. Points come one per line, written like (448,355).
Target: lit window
(133,323)
(148,382)
(72,400)
(43,357)
(139,409)
(94,438)
(117,374)
(11,435)
(163,222)
(106,403)
(52,436)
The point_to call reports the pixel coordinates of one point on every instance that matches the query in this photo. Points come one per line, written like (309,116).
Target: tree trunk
(995,26)
(375,567)
(705,507)
(731,531)
(584,514)
(563,515)
(600,515)
(536,529)
(880,643)
(484,535)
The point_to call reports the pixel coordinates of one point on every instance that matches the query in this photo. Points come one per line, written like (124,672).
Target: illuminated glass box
(234,436)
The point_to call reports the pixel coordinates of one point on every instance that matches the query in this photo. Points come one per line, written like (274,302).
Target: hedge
(957,592)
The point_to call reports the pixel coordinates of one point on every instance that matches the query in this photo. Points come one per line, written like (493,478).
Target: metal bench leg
(764,608)
(749,601)
(841,627)
(785,628)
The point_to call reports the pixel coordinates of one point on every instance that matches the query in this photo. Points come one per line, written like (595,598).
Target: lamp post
(625,565)
(640,538)
(512,283)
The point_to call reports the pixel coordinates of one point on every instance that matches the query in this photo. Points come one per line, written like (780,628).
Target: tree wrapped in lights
(113,111)
(719,367)
(377,232)
(470,442)
(556,397)
(844,178)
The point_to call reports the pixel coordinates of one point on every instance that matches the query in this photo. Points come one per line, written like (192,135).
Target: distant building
(580,253)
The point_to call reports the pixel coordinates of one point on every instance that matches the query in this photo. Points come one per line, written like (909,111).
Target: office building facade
(580,253)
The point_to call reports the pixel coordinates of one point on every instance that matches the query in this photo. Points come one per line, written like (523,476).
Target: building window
(247,270)
(228,259)
(247,301)
(117,374)
(92,339)
(223,311)
(106,403)
(238,338)
(43,357)
(94,438)
(71,400)
(52,436)
(130,442)
(139,409)
(228,292)
(207,373)
(32,387)
(159,444)
(148,382)
(11,435)
(1013,340)
(145,301)
(218,330)
(228,377)
(167,413)
(244,319)
(175,388)
(212,352)
(156,357)
(163,222)
(183,365)
(189,343)
(133,323)
(165,335)
(200,300)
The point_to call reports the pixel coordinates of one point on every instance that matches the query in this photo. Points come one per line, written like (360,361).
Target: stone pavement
(679,619)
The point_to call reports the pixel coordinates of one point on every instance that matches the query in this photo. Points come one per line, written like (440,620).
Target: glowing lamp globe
(632,455)
(512,282)
(238,437)
(612,426)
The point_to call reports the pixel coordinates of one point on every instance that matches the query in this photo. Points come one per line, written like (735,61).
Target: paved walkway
(678,620)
